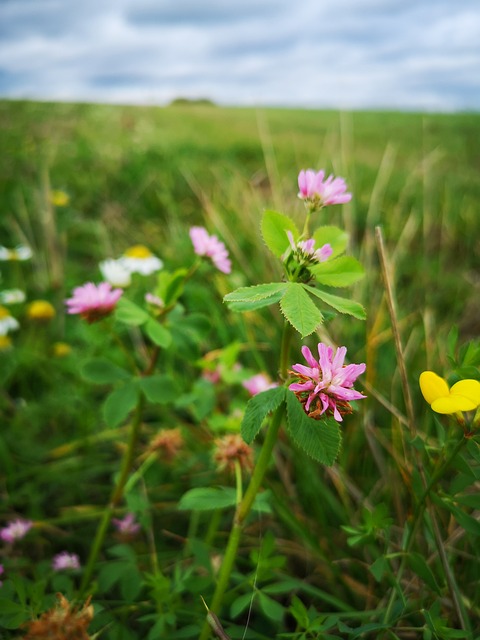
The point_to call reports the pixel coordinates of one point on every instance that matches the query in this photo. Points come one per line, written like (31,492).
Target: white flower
(7,322)
(139,259)
(21,252)
(12,296)
(115,273)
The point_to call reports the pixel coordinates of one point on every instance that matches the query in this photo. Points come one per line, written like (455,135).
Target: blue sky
(347,54)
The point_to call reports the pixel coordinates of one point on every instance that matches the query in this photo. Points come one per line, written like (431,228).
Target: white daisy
(139,259)
(115,273)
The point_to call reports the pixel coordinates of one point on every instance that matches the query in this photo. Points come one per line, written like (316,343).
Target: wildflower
(7,322)
(5,343)
(59,198)
(305,250)
(12,296)
(463,396)
(154,300)
(127,525)
(20,253)
(230,449)
(115,273)
(139,259)
(40,310)
(212,375)
(15,530)
(210,247)
(318,192)
(326,386)
(93,302)
(65,560)
(169,442)
(61,349)
(62,621)
(258,383)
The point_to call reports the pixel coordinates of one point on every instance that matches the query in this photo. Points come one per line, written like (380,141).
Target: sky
(343,54)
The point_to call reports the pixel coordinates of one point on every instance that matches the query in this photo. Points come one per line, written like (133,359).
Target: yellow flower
(463,396)
(61,349)
(40,310)
(5,343)
(59,198)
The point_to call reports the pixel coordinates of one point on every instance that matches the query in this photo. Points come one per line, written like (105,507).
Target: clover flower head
(258,383)
(127,525)
(304,251)
(318,192)
(210,247)
(230,449)
(139,259)
(462,396)
(40,310)
(115,273)
(168,442)
(93,302)
(15,530)
(64,561)
(20,253)
(326,384)
(7,322)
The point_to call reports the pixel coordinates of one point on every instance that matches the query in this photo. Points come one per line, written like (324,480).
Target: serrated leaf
(257,409)
(130,313)
(158,388)
(334,236)
(274,229)
(102,371)
(340,272)
(257,292)
(207,499)
(320,439)
(343,305)
(119,403)
(299,310)
(158,334)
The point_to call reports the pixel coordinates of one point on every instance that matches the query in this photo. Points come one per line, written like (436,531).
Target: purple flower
(258,383)
(211,247)
(326,385)
(319,192)
(127,526)
(93,302)
(65,560)
(305,250)
(15,530)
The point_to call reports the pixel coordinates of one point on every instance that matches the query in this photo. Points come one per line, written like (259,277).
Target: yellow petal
(433,386)
(468,389)
(452,404)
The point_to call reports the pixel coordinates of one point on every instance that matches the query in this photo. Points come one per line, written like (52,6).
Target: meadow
(112,430)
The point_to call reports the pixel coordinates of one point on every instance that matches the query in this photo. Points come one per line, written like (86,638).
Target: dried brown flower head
(62,622)
(168,442)
(229,449)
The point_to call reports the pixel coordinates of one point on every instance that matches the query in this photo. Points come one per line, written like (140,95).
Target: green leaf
(158,334)
(334,236)
(274,229)
(119,403)
(200,401)
(271,608)
(159,389)
(130,313)
(170,285)
(418,564)
(299,309)
(208,498)
(320,439)
(340,304)
(102,371)
(258,292)
(257,409)
(341,272)
(379,568)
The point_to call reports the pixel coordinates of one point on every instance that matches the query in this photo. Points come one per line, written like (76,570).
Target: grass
(331,557)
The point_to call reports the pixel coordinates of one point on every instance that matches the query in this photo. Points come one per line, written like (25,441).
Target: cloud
(338,53)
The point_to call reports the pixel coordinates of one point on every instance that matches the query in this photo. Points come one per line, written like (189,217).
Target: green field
(332,540)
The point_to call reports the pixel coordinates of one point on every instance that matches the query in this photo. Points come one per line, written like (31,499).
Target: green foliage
(340,304)
(335,237)
(257,409)
(299,310)
(119,403)
(274,231)
(130,313)
(255,297)
(342,272)
(103,371)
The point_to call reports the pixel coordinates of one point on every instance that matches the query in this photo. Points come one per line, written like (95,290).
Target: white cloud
(338,53)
